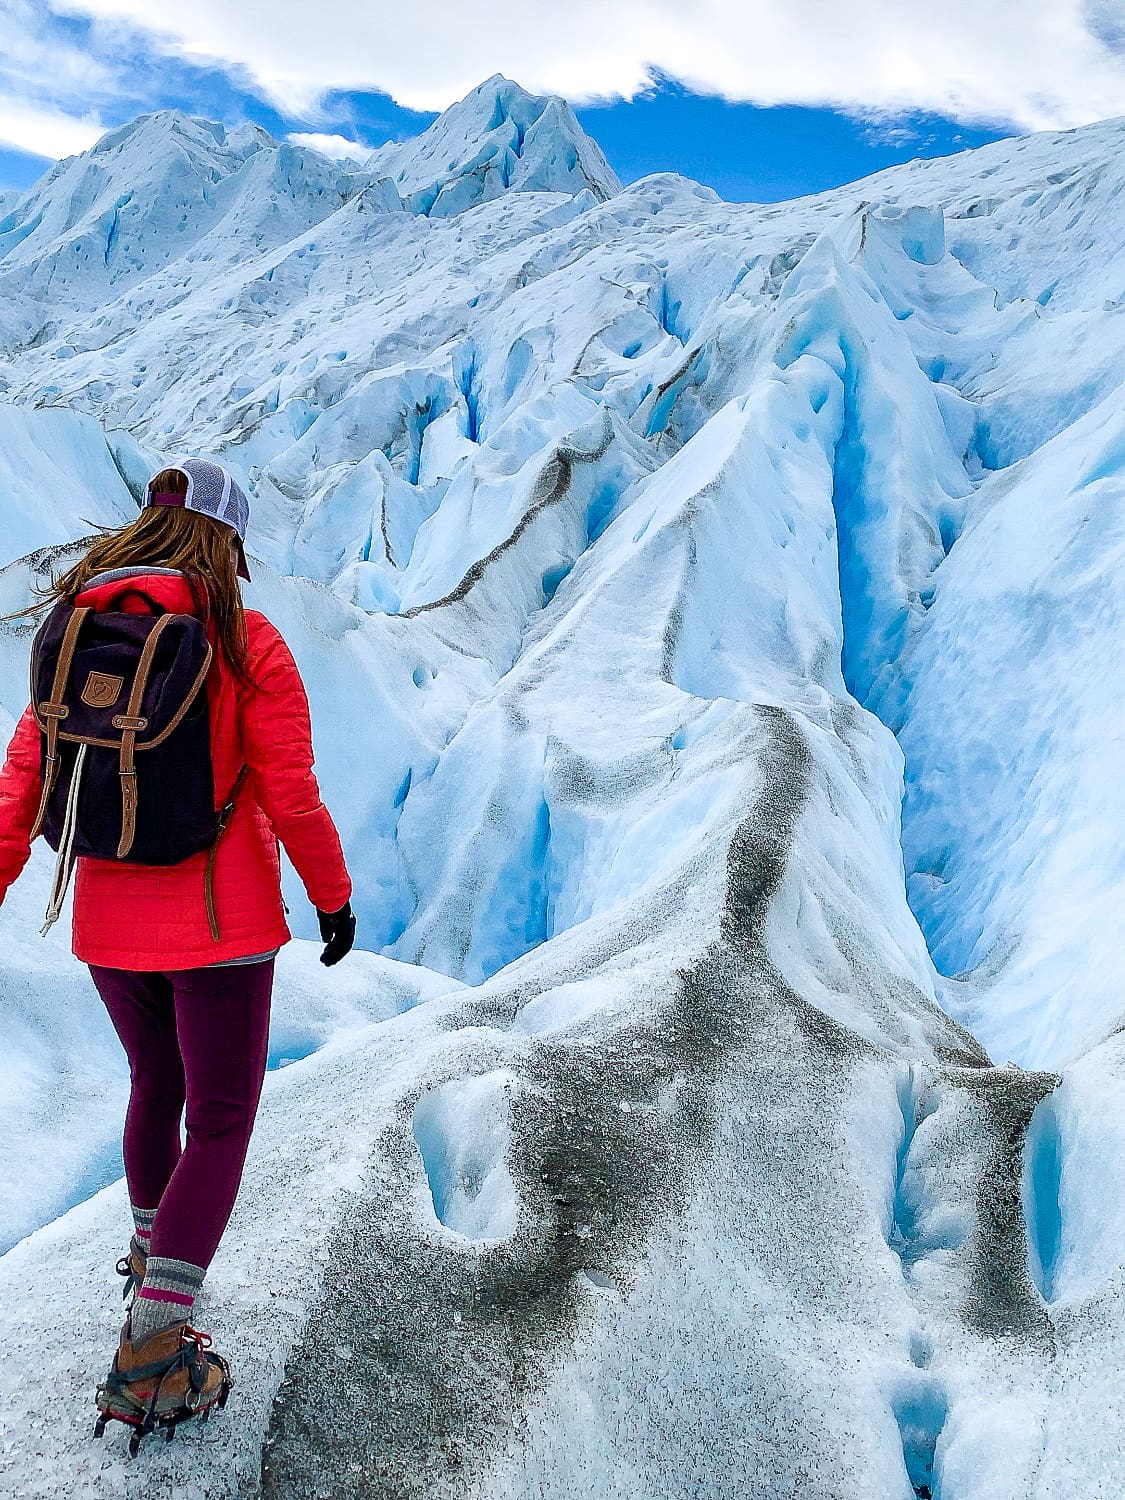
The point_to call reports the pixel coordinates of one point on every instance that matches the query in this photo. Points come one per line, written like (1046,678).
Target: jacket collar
(137,571)
(129,589)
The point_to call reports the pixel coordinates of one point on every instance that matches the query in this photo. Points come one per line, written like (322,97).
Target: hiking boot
(171,1378)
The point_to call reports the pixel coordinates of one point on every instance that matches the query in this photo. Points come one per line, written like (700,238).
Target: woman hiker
(181,953)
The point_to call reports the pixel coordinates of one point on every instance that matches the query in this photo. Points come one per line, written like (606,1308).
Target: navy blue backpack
(126,748)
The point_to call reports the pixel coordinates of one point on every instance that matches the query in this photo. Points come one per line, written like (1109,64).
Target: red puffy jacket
(153,918)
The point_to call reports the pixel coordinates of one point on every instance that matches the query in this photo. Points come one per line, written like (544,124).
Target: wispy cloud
(336,146)
(1106,19)
(68,73)
(45,132)
(1039,63)
(50,89)
(39,56)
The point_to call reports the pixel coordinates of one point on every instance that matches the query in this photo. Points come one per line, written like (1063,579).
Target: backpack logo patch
(102,689)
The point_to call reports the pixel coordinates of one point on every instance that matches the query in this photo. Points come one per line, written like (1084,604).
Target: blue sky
(743,151)
(748,153)
(785,96)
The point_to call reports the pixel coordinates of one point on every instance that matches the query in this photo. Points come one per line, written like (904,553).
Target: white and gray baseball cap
(211,491)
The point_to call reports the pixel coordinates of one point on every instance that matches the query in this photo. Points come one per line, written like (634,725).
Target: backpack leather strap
(55,710)
(212,854)
(129,723)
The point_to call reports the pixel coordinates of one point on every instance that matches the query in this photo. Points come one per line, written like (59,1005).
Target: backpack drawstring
(64,864)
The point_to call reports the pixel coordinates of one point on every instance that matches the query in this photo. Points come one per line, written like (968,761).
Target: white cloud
(37,59)
(44,131)
(1040,63)
(338,147)
(49,88)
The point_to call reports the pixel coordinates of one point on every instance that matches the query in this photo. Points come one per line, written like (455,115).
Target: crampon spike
(201,1366)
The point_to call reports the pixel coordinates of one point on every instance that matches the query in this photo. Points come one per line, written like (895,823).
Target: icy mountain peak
(498,137)
(155,131)
(153,191)
(164,161)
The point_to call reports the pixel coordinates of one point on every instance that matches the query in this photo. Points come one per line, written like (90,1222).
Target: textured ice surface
(497,139)
(710,614)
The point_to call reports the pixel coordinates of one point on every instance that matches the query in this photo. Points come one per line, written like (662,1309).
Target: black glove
(337,928)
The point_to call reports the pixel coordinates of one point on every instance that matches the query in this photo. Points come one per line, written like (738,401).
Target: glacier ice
(710,615)
(498,138)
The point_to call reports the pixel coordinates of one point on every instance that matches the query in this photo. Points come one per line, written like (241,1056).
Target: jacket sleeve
(277,744)
(20,788)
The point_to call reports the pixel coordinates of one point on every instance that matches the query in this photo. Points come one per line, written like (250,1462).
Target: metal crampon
(157,1395)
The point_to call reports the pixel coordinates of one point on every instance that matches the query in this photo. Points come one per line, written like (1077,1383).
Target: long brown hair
(167,536)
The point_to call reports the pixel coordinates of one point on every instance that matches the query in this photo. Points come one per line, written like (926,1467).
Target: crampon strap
(125,1268)
(189,1355)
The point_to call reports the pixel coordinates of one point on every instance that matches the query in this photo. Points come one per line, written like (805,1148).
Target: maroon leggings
(197,1036)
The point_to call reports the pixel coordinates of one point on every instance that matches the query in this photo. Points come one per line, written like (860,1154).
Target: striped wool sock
(142,1230)
(167,1296)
